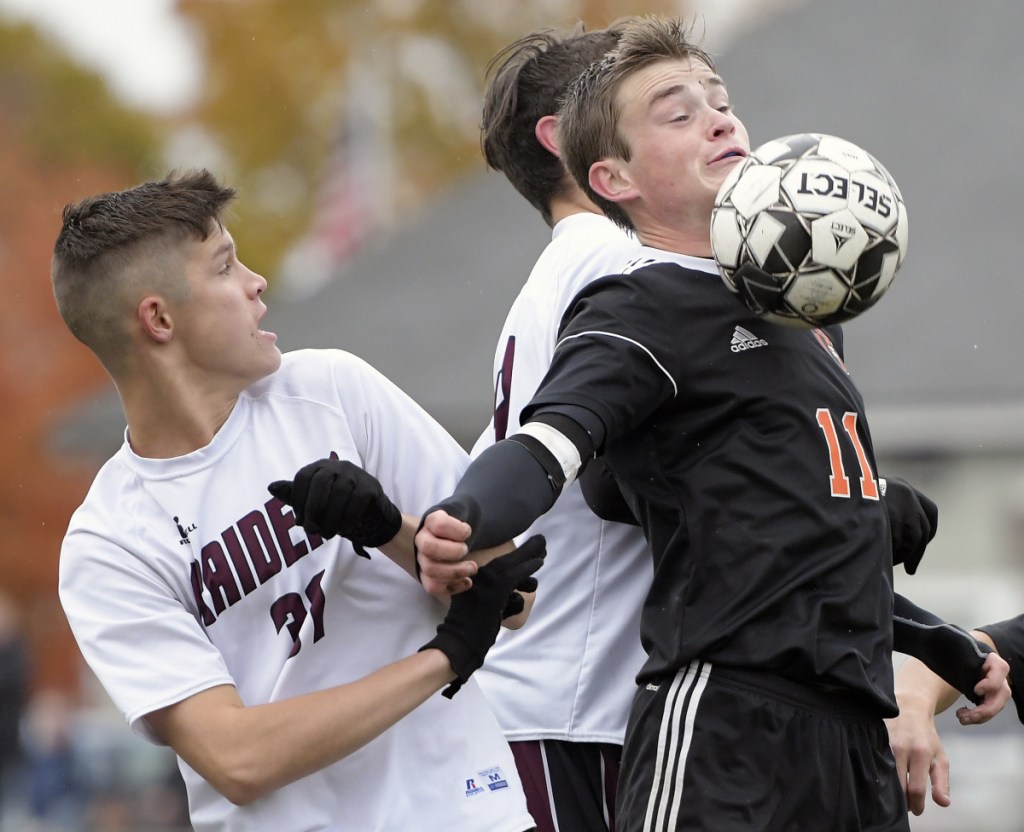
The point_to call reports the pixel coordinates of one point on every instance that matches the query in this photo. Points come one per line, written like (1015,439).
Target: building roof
(927,87)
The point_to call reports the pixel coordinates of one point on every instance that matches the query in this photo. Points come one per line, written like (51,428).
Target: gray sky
(149,59)
(143,49)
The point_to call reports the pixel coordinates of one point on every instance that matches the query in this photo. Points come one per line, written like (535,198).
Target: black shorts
(725,750)
(570,786)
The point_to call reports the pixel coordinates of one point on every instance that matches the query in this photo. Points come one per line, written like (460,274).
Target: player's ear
(545,131)
(155,318)
(610,179)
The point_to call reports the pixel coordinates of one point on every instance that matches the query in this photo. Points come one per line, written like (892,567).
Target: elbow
(220,740)
(240,776)
(241,786)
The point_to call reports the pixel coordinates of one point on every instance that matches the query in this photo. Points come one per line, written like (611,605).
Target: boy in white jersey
(295,679)
(561,688)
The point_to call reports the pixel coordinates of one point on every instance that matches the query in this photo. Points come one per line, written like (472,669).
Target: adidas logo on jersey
(743,339)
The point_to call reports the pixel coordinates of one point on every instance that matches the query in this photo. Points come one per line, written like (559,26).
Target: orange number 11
(839,482)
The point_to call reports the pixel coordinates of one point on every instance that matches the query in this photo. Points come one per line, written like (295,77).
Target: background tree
(61,136)
(352,108)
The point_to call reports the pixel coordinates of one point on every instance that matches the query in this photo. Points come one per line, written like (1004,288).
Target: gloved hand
(516,603)
(474,618)
(913,519)
(336,497)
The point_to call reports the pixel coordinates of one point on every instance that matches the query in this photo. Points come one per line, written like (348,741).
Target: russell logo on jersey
(491,779)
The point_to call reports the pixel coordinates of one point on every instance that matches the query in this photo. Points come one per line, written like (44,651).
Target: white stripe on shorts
(674,737)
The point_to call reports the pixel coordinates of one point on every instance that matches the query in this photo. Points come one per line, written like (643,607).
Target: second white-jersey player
(563,688)
(569,674)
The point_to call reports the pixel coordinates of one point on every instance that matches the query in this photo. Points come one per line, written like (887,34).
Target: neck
(168,417)
(574,201)
(683,234)
(670,240)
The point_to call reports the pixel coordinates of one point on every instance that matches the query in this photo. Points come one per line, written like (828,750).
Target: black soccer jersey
(743,450)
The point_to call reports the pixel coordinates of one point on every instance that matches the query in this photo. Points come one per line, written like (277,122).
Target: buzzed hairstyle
(589,117)
(526,82)
(113,247)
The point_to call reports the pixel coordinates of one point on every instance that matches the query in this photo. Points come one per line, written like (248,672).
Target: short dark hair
(526,82)
(112,242)
(588,121)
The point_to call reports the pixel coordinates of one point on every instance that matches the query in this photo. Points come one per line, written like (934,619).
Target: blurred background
(351,131)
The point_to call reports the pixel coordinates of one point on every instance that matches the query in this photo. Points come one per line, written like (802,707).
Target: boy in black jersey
(768,624)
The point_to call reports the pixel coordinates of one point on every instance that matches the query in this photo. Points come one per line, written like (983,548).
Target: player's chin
(270,359)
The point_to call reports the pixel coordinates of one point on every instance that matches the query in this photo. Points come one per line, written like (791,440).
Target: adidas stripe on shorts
(716,749)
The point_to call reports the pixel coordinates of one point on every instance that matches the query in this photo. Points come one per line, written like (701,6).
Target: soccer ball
(809,230)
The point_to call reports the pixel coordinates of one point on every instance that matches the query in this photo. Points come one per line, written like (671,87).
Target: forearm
(948,650)
(921,691)
(500,495)
(916,746)
(400,548)
(248,752)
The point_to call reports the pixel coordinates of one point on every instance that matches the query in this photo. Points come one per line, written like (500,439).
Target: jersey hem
(561,736)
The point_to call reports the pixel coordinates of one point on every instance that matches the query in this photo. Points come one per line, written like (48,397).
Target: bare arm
(920,757)
(247,752)
(400,548)
(916,684)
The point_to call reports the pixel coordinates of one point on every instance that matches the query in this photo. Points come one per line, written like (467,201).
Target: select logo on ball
(809,230)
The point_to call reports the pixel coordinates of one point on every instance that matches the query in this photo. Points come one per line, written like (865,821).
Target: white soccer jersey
(569,673)
(181,574)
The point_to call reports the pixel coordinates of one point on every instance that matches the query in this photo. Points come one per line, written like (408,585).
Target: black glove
(335,497)
(913,519)
(516,603)
(474,618)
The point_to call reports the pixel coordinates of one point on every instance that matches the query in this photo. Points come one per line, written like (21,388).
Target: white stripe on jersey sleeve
(658,364)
